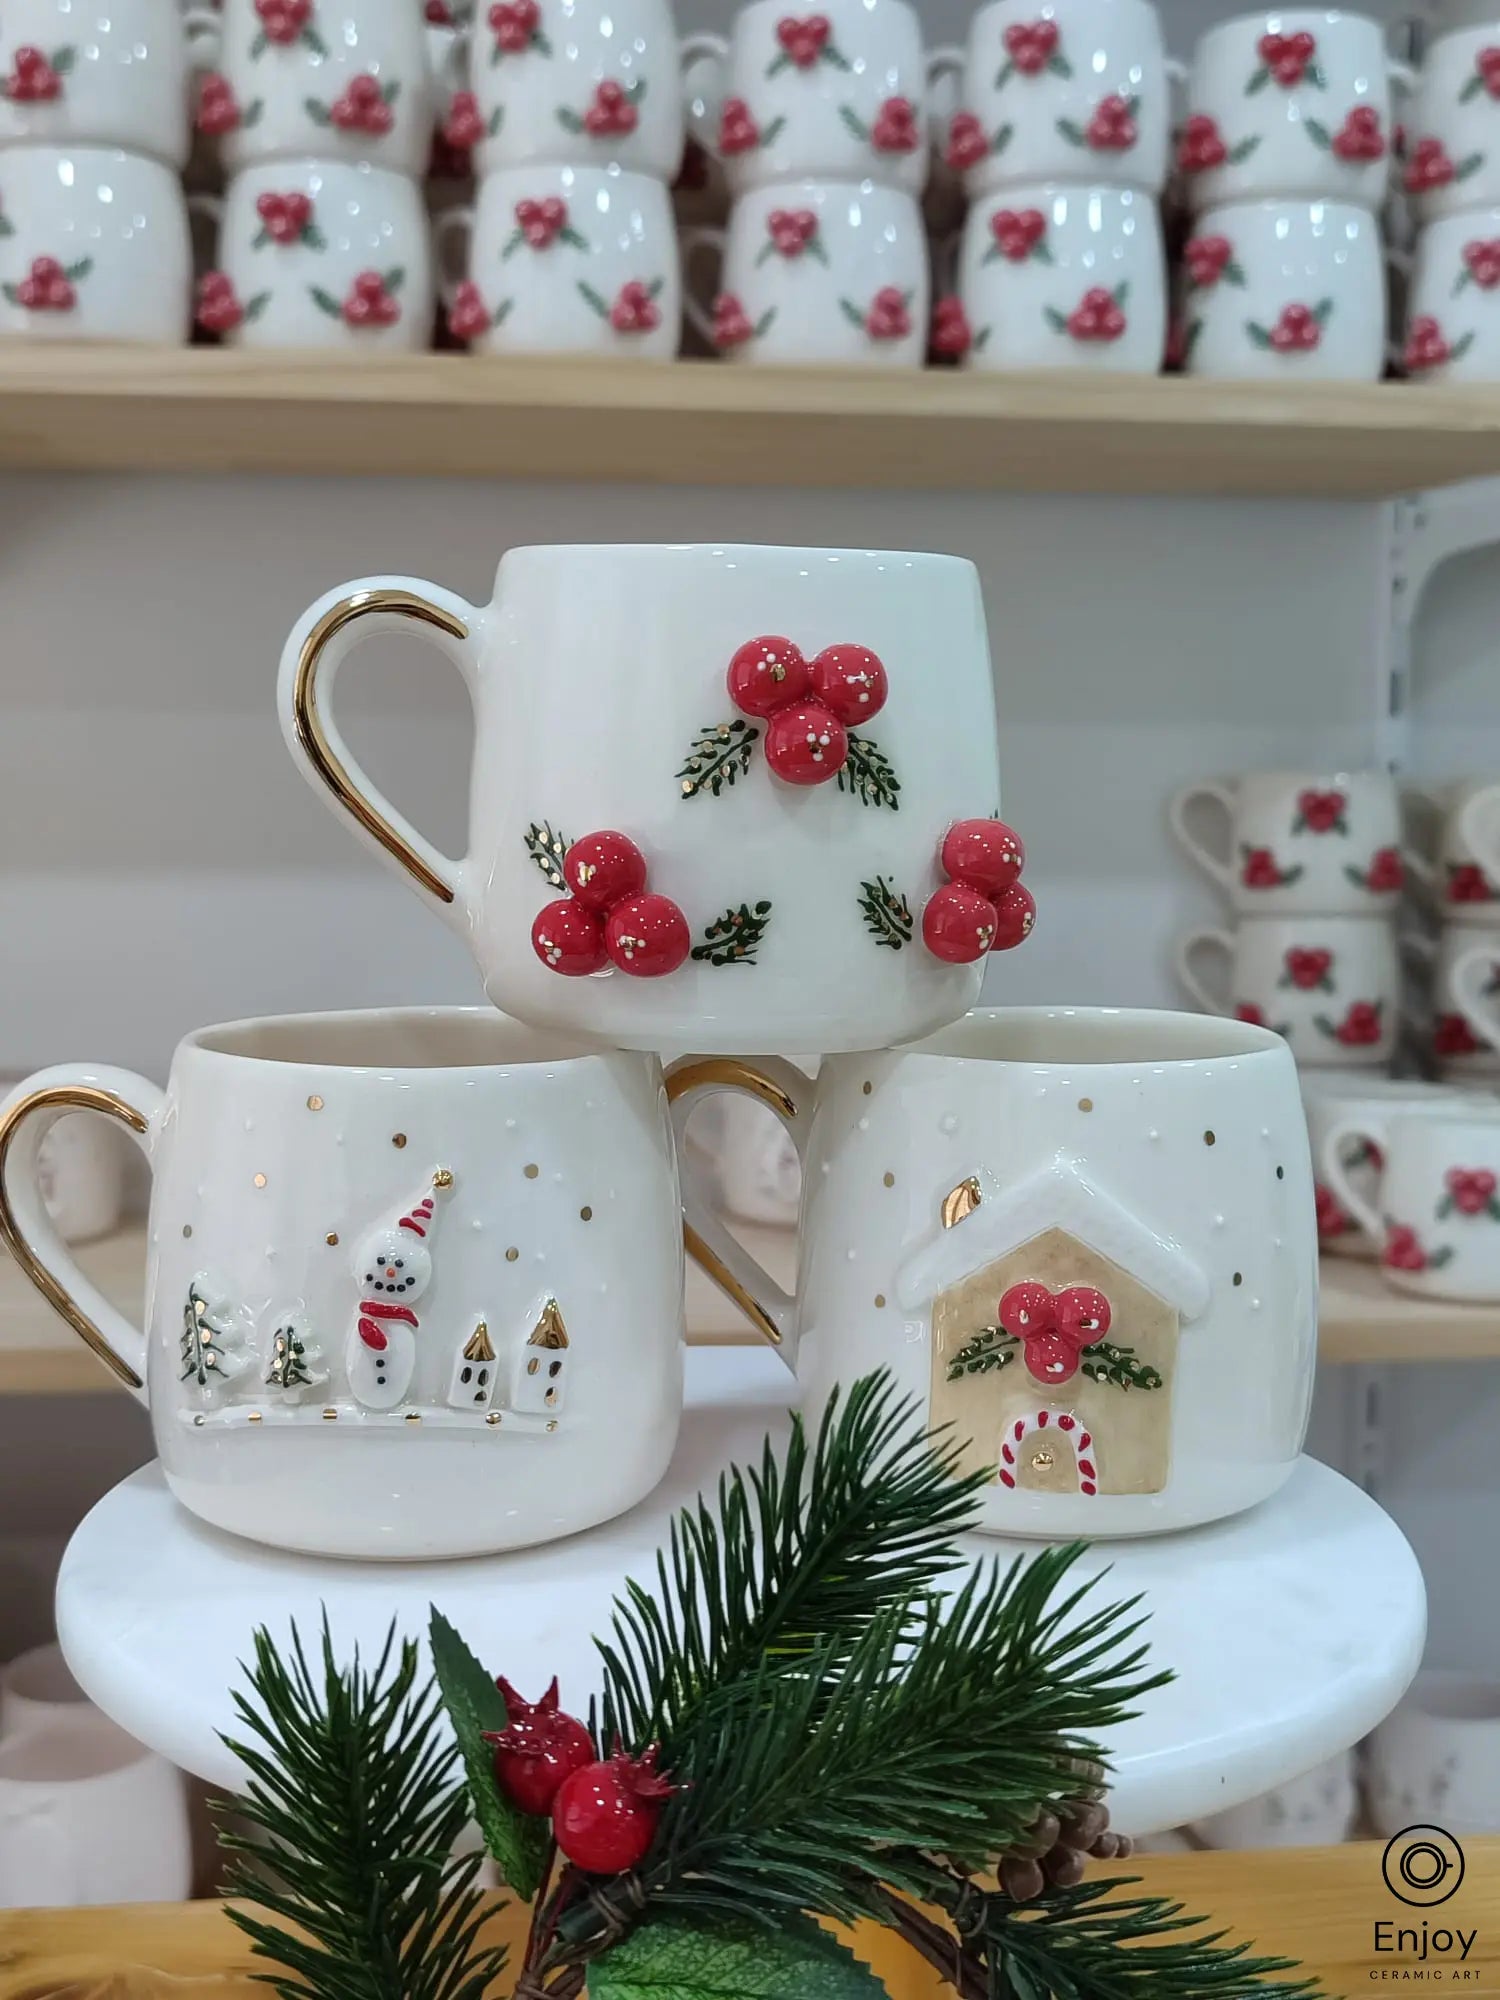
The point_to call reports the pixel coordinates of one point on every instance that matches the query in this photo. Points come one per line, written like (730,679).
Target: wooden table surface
(1319,1905)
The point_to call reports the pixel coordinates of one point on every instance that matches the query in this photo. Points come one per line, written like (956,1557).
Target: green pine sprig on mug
(797,1723)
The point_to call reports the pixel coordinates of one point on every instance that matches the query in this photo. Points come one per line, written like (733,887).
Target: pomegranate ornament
(605,1815)
(539,1748)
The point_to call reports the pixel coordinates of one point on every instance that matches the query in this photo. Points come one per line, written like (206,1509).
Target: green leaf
(63,60)
(1122,292)
(1461,347)
(1072,131)
(989,1349)
(1240,153)
(595,299)
(1058,63)
(569,120)
(735,937)
(314,41)
(668,1958)
(1318,132)
(720,756)
(1058,321)
(12,293)
(326,302)
(1314,75)
(313,237)
(855,317)
(540,42)
(829,54)
(1323,313)
(548,850)
(817,251)
(395,278)
(869,775)
(1471,89)
(255,306)
(513,243)
(259,46)
(1259,334)
(1258,82)
(855,123)
(78,269)
(772,132)
(497,119)
(763,324)
(251,113)
(1436,1259)
(779,64)
(1004,74)
(317,112)
(1003,136)
(515,1840)
(887,913)
(7,227)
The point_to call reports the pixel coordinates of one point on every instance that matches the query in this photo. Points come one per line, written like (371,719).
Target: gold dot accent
(531,1170)
(880,1298)
(493,1418)
(187,1229)
(315,1103)
(443,1178)
(331,1238)
(260,1180)
(330,1416)
(532,1365)
(1042,1461)
(867,1088)
(414,1416)
(552,1426)
(200,1420)
(253,1417)
(1210,1139)
(398,1140)
(1085,1104)
(1239,1277)
(512,1254)
(586,1214)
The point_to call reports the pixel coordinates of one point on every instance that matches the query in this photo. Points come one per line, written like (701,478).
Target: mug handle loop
(26,1230)
(700,238)
(1196,941)
(782,1088)
(1364,1212)
(1468,979)
(1479,827)
(1222,794)
(321,640)
(450,225)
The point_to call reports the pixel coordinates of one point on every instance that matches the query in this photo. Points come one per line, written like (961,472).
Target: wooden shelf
(1362,1319)
(709,424)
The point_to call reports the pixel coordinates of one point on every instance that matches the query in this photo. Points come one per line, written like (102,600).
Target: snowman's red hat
(419,1219)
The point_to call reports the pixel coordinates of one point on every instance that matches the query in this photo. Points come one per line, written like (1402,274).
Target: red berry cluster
(604,1810)
(370,302)
(514,24)
(1031,45)
(218,309)
(33,80)
(804,41)
(1288,57)
(283,20)
(968,142)
(364,107)
(609,918)
(46,287)
(218,109)
(808,705)
(983,906)
(611,112)
(463,128)
(284,216)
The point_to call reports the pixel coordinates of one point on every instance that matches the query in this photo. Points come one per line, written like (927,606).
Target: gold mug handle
(782,1088)
(320,642)
(26,1230)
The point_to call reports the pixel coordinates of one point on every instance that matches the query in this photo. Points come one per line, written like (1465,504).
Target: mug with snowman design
(414,1279)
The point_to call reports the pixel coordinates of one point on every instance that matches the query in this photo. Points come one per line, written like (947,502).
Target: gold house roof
(549,1330)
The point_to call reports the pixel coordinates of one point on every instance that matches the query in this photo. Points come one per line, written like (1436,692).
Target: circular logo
(1422,1865)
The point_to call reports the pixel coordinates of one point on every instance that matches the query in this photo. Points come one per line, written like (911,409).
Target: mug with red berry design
(100,74)
(1453,299)
(581,81)
(835,95)
(318,253)
(1453,142)
(1064,277)
(1453,847)
(1330,985)
(1061,90)
(1082,1237)
(565,260)
(815,271)
(1437,1212)
(722,776)
(321,79)
(1294,103)
(1289,841)
(1332,1100)
(1455,1012)
(93,246)
(1285,291)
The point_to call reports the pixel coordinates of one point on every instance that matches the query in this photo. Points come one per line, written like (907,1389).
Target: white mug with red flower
(589,82)
(100,73)
(1284,291)
(1330,985)
(1332,1101)
(816,271)
(1062,277)
(837,94)
(1294,103)
(1437,1212)
(1453,299)
(322,79)
(1453,848)
(1061,90)
(319,253)
(1453,142)
(566,260)
(93,246)
(724,777)
(1457,1017)
(1290,841)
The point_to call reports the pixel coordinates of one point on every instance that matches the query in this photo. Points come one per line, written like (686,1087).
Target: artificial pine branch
(357,1796)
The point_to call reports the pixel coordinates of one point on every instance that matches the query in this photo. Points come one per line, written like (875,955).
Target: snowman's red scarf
(374,1309)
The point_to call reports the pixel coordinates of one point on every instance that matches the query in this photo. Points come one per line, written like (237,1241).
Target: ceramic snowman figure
(394,1270)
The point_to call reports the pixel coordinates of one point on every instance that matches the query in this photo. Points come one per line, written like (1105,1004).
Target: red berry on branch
(605,1816)
(806,744)
(958,925)
(567,939)
(983,854)
(647,936)
(539,1747)
(1015,918)
(766,674)
(603,869)
(850,681)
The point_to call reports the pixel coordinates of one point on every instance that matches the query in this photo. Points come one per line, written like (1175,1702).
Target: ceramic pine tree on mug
(732,794)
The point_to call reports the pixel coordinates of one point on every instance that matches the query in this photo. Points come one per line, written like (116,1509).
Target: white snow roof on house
(1060,1196)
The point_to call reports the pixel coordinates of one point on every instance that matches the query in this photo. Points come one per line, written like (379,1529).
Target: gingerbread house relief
(1056,1316)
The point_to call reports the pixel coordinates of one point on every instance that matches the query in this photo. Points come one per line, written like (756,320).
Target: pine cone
(1060,1840)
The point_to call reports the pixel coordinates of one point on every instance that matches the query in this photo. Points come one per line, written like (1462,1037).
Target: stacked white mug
(93,136)
(1312,869)
(1453,856)
(1453,184)
(1062,142)
(1284,162)
(823,135)
(574,119)
(323,113)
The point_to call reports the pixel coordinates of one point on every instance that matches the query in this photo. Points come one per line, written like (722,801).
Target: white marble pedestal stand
(1292,1629)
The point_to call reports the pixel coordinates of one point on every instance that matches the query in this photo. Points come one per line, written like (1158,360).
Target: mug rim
(1224,1040)
(1463,1111)
(536,1047)
(581,552)
(1329,15)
